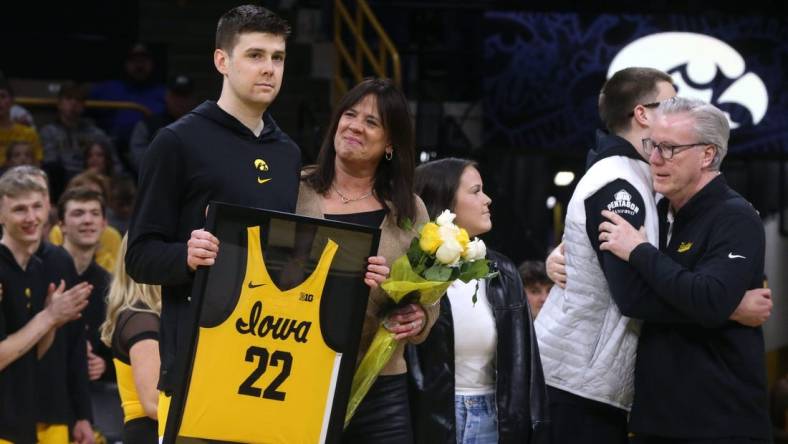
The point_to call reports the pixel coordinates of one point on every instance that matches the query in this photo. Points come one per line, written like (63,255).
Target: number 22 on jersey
(265,374)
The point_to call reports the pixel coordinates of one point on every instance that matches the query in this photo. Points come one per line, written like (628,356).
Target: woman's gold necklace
(347,200)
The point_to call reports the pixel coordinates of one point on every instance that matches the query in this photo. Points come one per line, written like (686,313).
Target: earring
(389,155)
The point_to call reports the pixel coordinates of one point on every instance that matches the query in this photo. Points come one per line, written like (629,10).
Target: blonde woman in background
(132,331)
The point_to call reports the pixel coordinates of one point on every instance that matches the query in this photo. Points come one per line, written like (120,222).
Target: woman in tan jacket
(364,175)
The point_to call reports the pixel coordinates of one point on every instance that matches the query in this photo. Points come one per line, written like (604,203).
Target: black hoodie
(206,155)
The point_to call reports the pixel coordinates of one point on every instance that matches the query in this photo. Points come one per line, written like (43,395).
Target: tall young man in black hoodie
(230,150)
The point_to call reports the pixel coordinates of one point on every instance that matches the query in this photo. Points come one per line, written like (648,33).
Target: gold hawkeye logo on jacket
(684,247)
(262,166)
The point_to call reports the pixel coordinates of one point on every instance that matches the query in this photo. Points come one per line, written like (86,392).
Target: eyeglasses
(667,150)
(645,105)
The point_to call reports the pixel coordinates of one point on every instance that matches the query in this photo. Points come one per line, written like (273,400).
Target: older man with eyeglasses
(699,377)
(588,328)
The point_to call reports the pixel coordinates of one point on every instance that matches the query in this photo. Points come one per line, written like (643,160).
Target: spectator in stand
(19,114)
(91,180)
(122,194)
(138,85)
(67,140)
(11,131)
(109,243)
(536,284)
(18,153)
(98,155)
(22,116)
(179,100)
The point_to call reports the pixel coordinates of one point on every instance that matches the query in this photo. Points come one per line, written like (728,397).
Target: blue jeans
(476,419)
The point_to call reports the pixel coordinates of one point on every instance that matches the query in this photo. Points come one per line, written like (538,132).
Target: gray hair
(711,124)
(20,180)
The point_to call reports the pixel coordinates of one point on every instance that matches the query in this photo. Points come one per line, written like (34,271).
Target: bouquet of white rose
(441,253)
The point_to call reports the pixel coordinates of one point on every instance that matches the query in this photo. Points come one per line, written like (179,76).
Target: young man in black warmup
(64,402)
(230,150)
(28,316)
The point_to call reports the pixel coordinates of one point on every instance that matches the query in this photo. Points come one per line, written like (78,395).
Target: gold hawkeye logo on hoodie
(261,166)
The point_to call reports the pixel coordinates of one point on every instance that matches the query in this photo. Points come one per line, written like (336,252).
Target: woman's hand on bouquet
(406,321)
(377,271)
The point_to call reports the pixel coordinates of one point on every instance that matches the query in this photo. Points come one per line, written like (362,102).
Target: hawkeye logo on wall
(622,204)
(699,57)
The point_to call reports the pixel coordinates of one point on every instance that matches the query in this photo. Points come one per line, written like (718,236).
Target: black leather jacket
(520,394)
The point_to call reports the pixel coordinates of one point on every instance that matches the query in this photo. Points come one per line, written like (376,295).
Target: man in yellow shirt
(11,131)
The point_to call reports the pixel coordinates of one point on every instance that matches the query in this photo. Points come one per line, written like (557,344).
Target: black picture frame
(226,221)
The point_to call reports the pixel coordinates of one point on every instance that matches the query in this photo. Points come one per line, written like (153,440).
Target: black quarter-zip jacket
(705,376)
(205,155)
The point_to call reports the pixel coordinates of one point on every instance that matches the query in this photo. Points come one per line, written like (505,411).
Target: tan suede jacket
(394,242)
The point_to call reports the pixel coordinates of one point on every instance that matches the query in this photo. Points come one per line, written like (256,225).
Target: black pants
(383,417)
(141,430)
(580,420)
(661,440)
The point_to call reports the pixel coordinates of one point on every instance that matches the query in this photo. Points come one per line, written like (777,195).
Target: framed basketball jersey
(277,323)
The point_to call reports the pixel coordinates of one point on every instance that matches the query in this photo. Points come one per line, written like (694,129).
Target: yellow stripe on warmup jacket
(265,374)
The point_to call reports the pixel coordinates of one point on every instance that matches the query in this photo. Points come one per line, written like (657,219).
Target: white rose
(475,250)
(448,232)
(449,252)
(445,219)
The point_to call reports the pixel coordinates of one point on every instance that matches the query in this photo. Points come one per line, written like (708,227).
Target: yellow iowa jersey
(265,374)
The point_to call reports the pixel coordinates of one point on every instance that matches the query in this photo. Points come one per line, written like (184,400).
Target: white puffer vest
(587,346)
